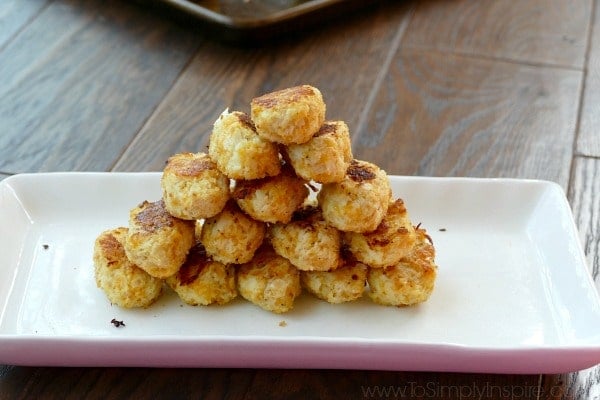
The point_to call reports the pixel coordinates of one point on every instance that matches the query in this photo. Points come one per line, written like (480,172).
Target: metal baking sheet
(250,20)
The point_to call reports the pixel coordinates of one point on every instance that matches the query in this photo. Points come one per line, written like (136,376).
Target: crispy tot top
(154,216)
(283,97)
(111,248)
(187,164)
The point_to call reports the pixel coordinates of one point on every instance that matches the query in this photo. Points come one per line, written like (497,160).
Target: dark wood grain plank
(446,115)
(344,60)
(584,191)
(276,384)
(583,385)
(535,31)
(588,142)
(263,384)
(121,383)
(79,82)
(15,15)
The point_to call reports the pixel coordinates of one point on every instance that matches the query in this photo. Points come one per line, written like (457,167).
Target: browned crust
(423,254)
(245,120)
(307,213)
(283,97)
(196,261)
(111,248)
(188,164)
(153,216)
(359,172)
(381,235)
(328,128)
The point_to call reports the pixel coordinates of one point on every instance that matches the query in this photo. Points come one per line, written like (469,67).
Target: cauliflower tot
(192,186)
(393,239)
(232,237)
(326,156)
(289,116)
(239,151)
(124,283)
(409,282)
(203,281)
(272,199)
(269,281)
(156,241)
(359,202)
(342,284)
(307,241)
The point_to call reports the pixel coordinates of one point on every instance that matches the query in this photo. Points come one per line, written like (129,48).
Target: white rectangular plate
(513,293)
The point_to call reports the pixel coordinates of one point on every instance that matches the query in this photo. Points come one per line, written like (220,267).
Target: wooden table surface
(433,88)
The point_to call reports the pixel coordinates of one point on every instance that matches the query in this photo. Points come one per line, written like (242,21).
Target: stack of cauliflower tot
(241,220)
